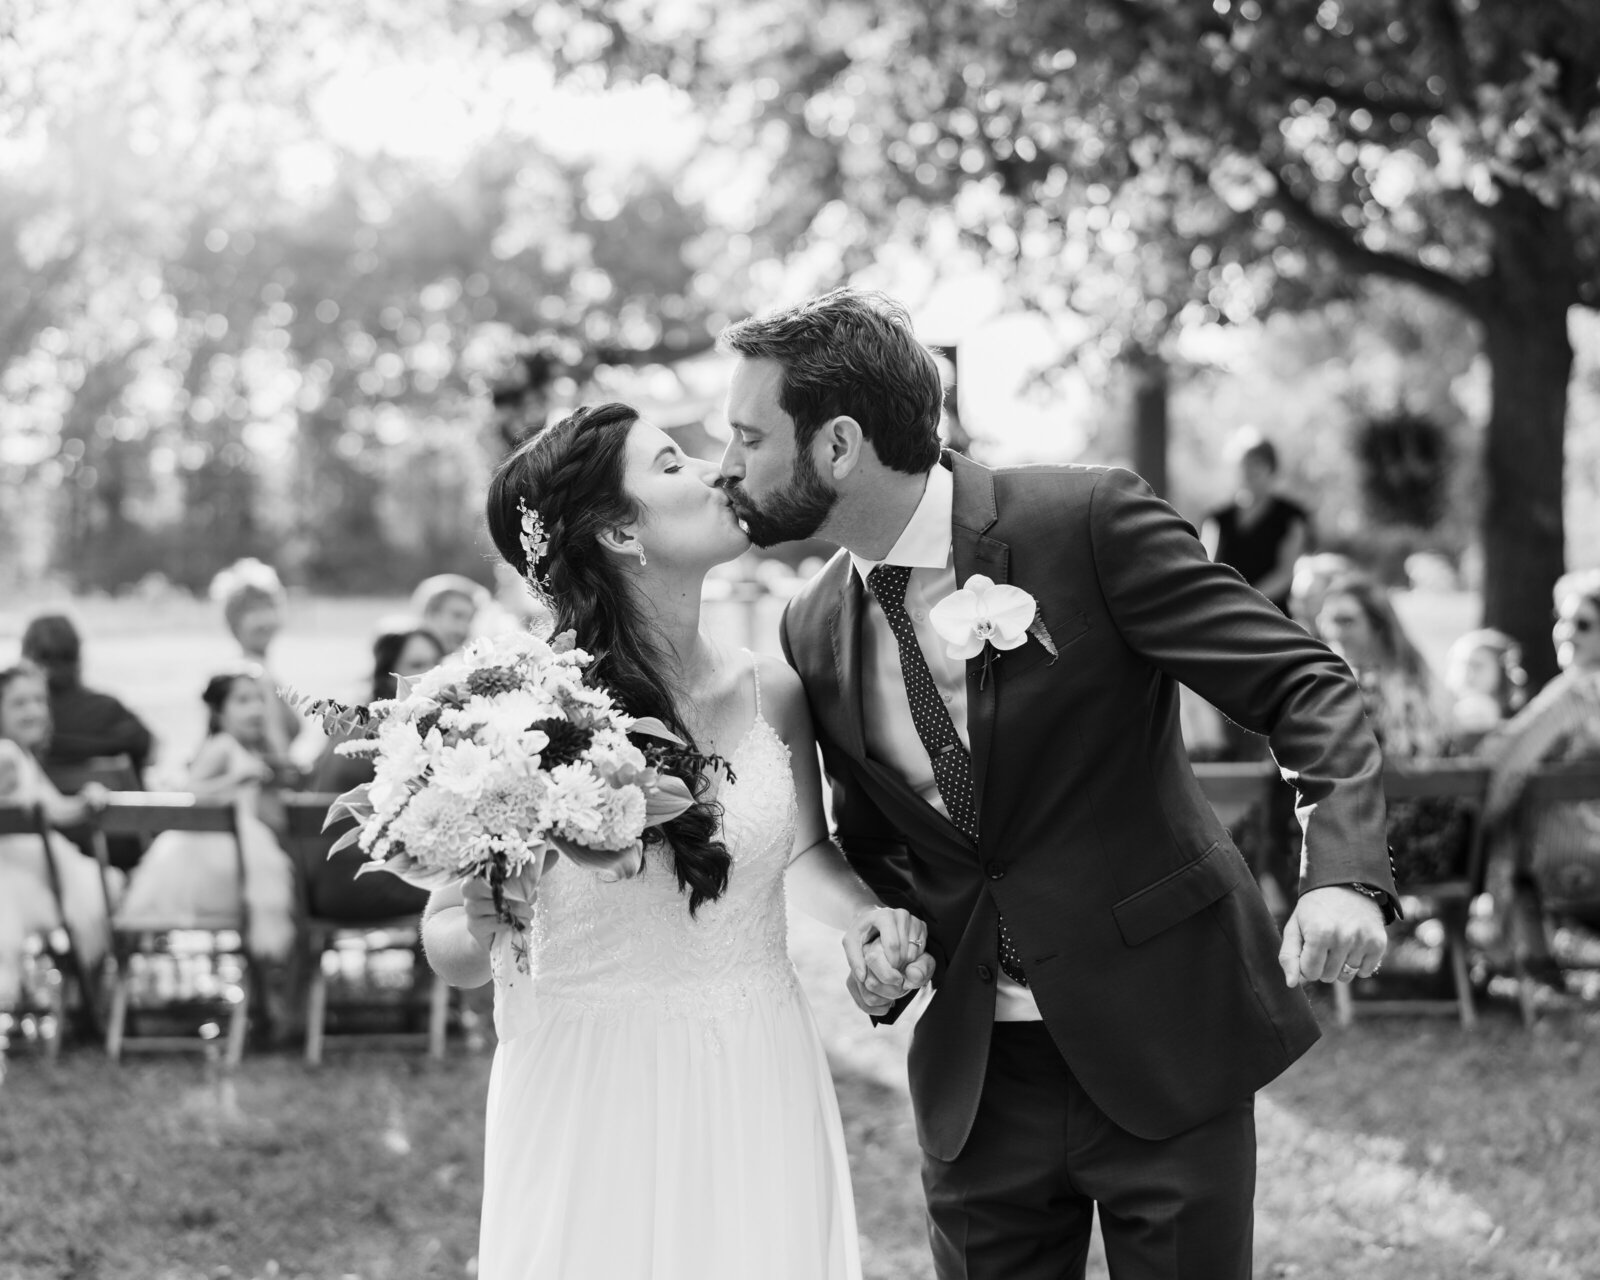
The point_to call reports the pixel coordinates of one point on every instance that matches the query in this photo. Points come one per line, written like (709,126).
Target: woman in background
(191,876)
(1486,682)
(395,654)
(332,887)
(253,604)
(1559,867)
(28,904)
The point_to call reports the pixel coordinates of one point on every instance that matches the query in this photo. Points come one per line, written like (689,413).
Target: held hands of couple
(886,948)
(1335,935)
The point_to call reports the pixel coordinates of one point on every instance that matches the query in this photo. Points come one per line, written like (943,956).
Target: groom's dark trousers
(1019,1199)
(1148,949)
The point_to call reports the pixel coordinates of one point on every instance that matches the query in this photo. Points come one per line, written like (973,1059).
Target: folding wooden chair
(1555,784)
(147,814)
(46,1017)
(328,933)
(1452,897)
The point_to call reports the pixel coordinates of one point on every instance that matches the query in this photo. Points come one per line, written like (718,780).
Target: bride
(660,1105)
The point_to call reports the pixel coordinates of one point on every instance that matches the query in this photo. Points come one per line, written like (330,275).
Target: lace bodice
(601,949)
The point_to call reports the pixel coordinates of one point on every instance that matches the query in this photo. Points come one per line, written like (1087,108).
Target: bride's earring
(641,557)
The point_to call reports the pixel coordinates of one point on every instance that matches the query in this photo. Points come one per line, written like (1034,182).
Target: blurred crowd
(65,747)
(1479,708)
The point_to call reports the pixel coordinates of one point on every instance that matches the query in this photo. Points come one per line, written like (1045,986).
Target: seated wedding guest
(394,654)
(1559,868)
(1428,837)
(85,723)
(253,604)
(28,903)
(1486,682)
(189,875)
(447,604)
(332,887)
(1312,574)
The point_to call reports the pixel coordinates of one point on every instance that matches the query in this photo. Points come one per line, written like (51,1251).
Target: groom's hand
(879,944)
(1335,935)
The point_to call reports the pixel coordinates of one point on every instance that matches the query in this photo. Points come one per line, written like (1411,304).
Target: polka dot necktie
(952,766)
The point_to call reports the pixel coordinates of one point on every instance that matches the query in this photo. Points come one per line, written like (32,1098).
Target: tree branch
(1462,79)
(1359,99)
(1357,256)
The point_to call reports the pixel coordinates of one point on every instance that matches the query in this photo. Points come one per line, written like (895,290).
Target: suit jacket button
(985,973)
(994,870)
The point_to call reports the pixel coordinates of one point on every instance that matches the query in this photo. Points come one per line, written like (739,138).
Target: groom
(1110,987)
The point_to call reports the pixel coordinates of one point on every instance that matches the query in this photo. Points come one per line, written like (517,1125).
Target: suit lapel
(974,513)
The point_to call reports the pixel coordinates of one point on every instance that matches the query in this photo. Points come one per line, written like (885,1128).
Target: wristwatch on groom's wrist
(1391,910)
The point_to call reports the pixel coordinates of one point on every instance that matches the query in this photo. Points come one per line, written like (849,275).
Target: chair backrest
(306,811)
(150,813)
(1234,782)
(1438,779)
(1463,780)
(23,820)
(1554,784)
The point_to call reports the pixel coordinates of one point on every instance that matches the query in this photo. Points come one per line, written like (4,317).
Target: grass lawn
(1397,1150)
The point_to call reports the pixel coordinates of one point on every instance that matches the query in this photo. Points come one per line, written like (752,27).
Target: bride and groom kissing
(990,668)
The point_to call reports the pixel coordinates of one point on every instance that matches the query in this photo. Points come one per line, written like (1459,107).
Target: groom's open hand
(1334,935)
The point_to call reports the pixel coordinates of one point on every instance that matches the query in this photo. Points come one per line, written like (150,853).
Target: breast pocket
(1033,654)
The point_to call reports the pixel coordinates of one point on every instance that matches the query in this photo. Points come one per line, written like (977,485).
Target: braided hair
(572,474)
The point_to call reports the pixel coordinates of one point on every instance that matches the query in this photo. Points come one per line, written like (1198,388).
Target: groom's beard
(792,514)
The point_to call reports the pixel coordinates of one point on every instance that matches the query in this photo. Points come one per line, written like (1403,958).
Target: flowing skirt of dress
(661,1147)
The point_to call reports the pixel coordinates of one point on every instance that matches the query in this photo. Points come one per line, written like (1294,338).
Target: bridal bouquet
(496,762)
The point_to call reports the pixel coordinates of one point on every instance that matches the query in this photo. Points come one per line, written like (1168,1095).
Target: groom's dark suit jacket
(1147,944)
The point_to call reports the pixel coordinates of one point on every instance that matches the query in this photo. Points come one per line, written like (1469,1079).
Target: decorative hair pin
(535,547)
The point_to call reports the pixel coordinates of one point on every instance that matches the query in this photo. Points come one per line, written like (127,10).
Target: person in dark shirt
(331,884)
(1260,533)
(88,725)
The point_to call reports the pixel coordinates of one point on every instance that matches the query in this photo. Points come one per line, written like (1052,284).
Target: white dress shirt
(925,546)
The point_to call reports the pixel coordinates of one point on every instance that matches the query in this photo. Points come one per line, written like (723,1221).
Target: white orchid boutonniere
(987,617)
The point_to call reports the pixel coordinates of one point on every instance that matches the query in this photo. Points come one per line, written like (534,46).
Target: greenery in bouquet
(498,761)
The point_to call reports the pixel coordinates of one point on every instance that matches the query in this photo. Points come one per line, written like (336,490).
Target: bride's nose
(710,474)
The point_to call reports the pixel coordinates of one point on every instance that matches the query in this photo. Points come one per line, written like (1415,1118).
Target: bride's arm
(454,937)
(821,882)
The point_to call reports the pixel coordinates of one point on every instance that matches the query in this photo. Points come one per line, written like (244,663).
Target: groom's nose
(733,459)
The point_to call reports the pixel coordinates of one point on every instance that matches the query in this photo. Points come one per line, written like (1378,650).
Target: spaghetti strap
(755,670)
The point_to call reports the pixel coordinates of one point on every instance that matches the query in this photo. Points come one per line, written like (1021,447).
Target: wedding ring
(1349,970)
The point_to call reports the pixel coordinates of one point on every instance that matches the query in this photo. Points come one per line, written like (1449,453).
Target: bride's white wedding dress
(660,1106)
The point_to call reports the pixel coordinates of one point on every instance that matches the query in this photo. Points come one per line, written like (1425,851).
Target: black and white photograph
(799,639)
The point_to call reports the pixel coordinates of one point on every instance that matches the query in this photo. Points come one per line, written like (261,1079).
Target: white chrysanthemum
(572,806)
(622,815)
(438,828)
(463,768)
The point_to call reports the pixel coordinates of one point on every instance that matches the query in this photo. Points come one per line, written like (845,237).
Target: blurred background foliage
(262,265)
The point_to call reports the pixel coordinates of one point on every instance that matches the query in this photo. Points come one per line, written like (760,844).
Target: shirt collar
(925,541)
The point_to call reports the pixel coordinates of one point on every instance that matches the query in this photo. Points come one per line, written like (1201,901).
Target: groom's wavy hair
(573,474)
(852,353)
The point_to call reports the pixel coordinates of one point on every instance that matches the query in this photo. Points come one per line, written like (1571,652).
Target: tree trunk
(1148,433)
(1530,360)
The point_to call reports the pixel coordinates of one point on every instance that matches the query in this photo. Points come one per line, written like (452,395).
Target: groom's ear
(843,445)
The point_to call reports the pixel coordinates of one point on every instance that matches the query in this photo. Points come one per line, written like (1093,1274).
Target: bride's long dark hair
(572,474)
